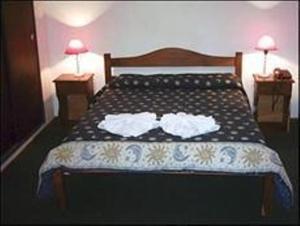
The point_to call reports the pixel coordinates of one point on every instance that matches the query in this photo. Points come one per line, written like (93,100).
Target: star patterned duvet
(237,147)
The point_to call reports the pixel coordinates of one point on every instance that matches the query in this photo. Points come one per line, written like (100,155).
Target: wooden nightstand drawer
(274,88)
(64,88)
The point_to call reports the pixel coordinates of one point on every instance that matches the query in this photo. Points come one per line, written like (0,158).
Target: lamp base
(265,76)
(78,75)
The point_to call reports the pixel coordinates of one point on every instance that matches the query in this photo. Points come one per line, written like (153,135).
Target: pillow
(187,80)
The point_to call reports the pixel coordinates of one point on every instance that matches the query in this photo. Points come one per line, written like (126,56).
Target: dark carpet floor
(138,198)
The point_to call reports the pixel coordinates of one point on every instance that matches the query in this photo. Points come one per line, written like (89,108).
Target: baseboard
(19,150)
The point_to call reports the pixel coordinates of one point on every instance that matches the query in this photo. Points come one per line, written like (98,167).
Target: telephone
(281,74)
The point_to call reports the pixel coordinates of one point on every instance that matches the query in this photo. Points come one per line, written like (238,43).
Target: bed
(238,148)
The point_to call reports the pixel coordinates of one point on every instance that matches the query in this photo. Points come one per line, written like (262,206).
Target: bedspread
(238,147)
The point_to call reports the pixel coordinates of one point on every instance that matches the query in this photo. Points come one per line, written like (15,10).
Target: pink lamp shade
(75,46)
(266,43)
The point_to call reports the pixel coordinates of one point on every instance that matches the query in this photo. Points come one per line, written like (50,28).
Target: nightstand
(73,93)
(272,103)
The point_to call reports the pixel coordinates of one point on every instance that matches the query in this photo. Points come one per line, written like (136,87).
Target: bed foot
(267,196)
(58,183)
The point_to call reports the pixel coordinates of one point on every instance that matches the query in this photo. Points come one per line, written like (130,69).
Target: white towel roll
(128,125)
(187,125)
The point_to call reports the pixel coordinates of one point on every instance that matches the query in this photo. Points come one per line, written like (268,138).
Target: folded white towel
(128,125)
(187,125)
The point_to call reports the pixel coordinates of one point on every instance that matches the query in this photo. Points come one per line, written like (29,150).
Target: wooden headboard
(174,57)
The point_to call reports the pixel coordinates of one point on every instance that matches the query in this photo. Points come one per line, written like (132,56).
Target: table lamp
(266,44)
(76,47)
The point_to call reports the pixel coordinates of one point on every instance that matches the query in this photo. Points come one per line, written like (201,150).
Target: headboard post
(107,67)
(238,64)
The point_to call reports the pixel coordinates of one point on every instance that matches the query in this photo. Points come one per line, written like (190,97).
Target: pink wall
(133,28)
